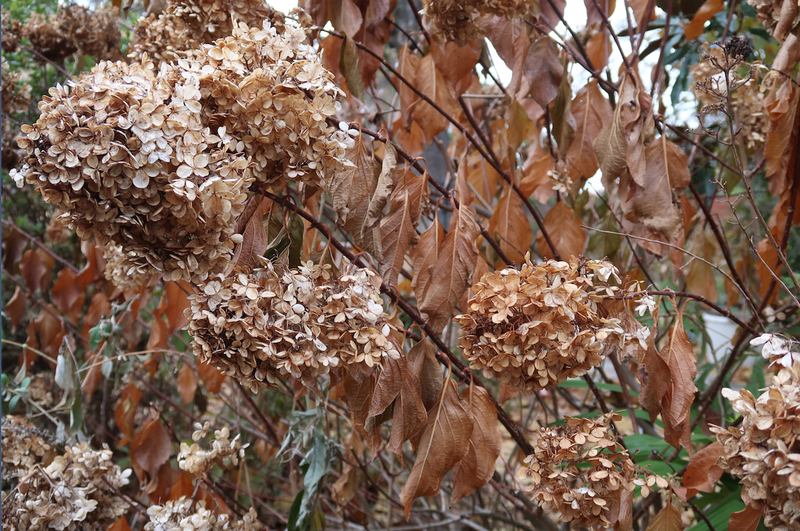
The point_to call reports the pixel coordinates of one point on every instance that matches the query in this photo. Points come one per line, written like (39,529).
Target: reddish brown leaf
(14,243)
(592,112)
(667,519)
(536,173)
(358,397)
(182,486)
(430,81)
(409,414)
(211,376)
(593,14)
(408,62)
(786,22)
(386,388)
(150,449)
(34,270)
(67,295)
(125,412)
(425,256)
(702,472)
(781,105)
(345,16)
(254,242)
(98,307)
(481,176)
(565,232)
(679,356)
(121,525)
(17,309)
(511,227)
(506,393)
(598,49)
(456,62)
(352,186)
(444,443)
(699,275)
(769,255)
(745,520)
(694,28)
(543,70)
(477,467)
(187,383)
(640,12)
(423,364)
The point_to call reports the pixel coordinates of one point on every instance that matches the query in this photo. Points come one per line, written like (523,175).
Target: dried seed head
(455,20)
(542,324)
(272,323)
(76,491)
(580,470)
(184,514)
(761,451)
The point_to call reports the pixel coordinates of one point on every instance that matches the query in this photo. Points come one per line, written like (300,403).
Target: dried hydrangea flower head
(184,514)
(16,98)
(762,450)
(75,29)
(579,470)
(123,270)
(125,154)
(187,24)
(10,31)
(196,461)
(541,324)
(747,99)
(454,20)
(263,326)
(23,446)
(77,491)
(769,14)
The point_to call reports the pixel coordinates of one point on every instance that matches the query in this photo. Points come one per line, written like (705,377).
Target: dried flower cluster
(23,446)
(197,461)
(769,13)
(78,490)
(122,268)
(542,324)
(9,32)
(272,323)
(579,470)
(710,87)
(455,20)
(761,451)
(74,28)
(187,24)
(16,98)
(159,163)
(184,515)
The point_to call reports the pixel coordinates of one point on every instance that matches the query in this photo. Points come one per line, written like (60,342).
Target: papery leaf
(781,105)
(543,70)
(430,81)
(477,467)
(611,144)
(348,66)
(67,295)
(768,254)
(787,20)
(254,242)
(702,472)
(745,520)
(536,173)
(511,227)
(16,309)
(398,227)
(598,49)
(426,256)
(387,387)
(564,124)
(407,65)
(211,376)
(640,12)
(387,180)
(125,411)
(150,448)
(187,383)
(121,524)
(35,268)
(409,414)
(667,519)
(345,16)
(358,397)
(482,176)
(456,62)
(699,275)
(694,28)
(593,14)
(352,185)
(422,362)
(444,443)
(564,230)
(679,356)
(592,112)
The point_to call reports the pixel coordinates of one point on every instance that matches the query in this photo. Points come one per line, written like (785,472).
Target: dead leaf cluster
(455,20)
(542,324)
(761,451)
(196,461)
(301,322)
(24,446)
(777,16)
(582,472)
(77,490)
(74,29)
(187,24)
(159,162)
(184,514)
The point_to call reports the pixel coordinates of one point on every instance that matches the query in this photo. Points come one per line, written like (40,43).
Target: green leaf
(294,511)
(720,513)
(645,443)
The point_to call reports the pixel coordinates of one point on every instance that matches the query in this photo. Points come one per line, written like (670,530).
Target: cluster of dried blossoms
(16,98)
(580,470)
(187,24)
(747,99)
(455,20)
(23,445)
(10,30)
(542,324)
(185,515)
(77,490)
(263,326)
(74,28)
(159,163)
(769,13)
(197,461)
(122,268)
(762,450)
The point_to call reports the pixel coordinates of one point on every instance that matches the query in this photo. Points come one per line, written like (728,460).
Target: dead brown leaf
(511,227)
(565,232)
(150,448)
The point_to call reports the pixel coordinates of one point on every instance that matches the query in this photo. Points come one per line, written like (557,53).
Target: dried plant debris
(16,98)
(184,514)
(762,450)
(580,471)
(188,24)
(301,322)
(454,20)
(542,324)
(75,29)
(79,490)
(196,461)
(777,16)
(23,446)
(159,162)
